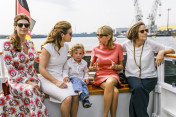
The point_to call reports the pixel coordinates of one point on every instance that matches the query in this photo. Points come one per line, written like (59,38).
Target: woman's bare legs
(114,102)
(66,107)
(74,106)
(109,96)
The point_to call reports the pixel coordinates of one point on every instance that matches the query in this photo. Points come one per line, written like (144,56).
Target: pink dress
(103,56)
(24,100)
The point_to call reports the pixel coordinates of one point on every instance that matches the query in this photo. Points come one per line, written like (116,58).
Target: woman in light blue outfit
(53,57)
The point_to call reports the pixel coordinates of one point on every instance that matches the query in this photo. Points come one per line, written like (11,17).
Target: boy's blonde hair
(75,47)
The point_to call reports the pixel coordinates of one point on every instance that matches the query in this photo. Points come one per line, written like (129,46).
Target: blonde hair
(14,38)
(75,47)
(55,37)
(107,30)
(132,33)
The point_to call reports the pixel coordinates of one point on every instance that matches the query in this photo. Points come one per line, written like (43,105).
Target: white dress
(55,68)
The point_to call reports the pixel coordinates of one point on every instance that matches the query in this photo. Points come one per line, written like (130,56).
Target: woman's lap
(56,92)
(148,83)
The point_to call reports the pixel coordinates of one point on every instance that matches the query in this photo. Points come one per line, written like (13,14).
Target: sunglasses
(101,35)
(142,31)
(26,25)
(70,34)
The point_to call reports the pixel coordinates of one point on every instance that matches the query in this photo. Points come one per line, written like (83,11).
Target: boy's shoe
(86,103)
(83,96)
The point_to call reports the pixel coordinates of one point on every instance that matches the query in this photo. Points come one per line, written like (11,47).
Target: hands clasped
(33,84)
(61,84)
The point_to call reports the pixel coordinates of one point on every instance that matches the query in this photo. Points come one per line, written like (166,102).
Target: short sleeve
(120,52)
(93,56)
(49,47)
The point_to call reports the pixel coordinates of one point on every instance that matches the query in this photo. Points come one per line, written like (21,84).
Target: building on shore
(120,31)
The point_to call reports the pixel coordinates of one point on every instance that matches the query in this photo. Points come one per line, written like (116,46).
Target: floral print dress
(24,100)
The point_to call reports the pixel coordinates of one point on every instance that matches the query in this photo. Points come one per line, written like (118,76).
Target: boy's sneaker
(83,96)
(86,103)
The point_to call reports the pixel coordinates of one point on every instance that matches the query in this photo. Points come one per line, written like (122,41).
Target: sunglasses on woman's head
(26,25)
(142,31)
(101,35)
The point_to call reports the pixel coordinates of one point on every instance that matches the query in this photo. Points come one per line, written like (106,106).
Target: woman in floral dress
(25,98)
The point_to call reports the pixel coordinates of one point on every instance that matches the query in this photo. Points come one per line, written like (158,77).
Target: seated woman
(53,57)
(106,59)
(140,67)
(25,98)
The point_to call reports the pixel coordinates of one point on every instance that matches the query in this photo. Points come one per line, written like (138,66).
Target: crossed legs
(110,96)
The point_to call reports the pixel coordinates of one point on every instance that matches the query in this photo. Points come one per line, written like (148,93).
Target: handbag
(123,78)
(5,89)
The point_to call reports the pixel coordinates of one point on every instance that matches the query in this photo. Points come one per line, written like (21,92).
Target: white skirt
(56,94)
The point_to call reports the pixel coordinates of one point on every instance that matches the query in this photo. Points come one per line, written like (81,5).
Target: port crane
(138,12)
(151,17)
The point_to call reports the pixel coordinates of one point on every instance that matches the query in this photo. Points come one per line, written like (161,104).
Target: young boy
(76,71)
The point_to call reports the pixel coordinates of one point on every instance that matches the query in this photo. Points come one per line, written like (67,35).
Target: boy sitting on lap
(76,71)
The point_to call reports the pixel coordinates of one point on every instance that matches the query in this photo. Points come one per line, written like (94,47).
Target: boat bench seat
(94,90)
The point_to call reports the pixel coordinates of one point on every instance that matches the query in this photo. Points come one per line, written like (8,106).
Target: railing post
(160,70)
(158,90)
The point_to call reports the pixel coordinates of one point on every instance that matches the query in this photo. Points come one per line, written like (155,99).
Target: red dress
(103,56)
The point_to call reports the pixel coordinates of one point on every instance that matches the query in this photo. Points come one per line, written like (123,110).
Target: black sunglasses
(26,25)
(142,31)
(101,35)
(70,34)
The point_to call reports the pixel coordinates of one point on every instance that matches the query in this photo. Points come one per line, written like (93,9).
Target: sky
(85,15)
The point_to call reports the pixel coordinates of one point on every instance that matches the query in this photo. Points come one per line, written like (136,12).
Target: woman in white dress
(53,57)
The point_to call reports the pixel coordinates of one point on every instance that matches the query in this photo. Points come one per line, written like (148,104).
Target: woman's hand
(159,58)
(66,79)
(61,84)
(33,84)
(114,65)
(94,67)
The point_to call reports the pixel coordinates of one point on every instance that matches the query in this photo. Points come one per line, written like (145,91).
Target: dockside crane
(152,17)
(138,12)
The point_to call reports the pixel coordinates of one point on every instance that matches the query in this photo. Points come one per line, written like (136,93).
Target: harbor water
(90,42)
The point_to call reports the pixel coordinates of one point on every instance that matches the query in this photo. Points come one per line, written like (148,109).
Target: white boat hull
(97,107)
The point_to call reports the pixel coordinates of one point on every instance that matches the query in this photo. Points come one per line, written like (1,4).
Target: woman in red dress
(106,59)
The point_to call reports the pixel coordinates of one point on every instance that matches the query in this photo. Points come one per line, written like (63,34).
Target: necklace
(139,66)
